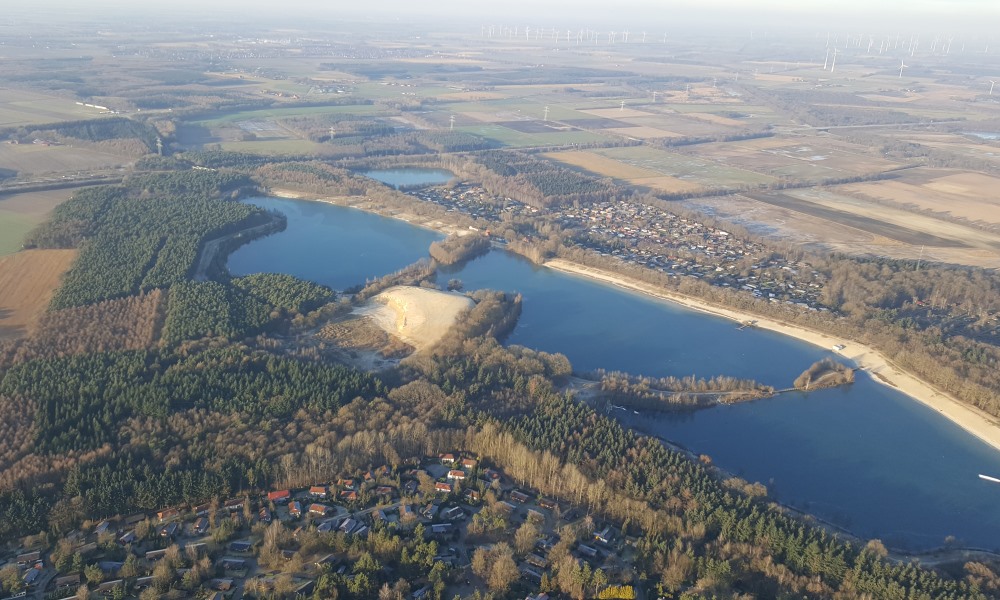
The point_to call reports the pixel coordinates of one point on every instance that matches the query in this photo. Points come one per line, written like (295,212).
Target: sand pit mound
(418,316)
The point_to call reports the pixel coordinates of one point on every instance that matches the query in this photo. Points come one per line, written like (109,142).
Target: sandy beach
(362,203)
(971,419)
(418,316)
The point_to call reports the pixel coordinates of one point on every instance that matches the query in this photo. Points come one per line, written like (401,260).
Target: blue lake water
(864,457)
(409,176)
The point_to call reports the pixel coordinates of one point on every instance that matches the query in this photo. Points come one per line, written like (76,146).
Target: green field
(14,227)
(707,173)
(293,111)
(26,108)
(276,146)
(516,139)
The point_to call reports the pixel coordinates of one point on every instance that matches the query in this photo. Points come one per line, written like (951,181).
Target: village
(648,236)
(279,544)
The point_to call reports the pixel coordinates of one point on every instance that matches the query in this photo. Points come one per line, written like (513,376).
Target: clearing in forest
(27,282)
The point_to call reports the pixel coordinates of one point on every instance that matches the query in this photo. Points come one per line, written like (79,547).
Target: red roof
(442,487)
(456,474)
(279,495)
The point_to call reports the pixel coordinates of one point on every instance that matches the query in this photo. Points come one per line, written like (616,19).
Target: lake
(864,457)
(410,176)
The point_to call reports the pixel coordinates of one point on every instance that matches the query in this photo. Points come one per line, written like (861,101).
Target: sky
(880,13)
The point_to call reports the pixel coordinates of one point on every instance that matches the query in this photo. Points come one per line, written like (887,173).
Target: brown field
(36,158)
(962,195)
(784,224)
(670,185)
(617,113)
(471,96)
(602,165)
(487,117)
(644,133)
(27,282)
(717,119)
(35,204)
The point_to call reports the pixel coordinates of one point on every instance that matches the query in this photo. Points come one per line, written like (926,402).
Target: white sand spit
(418,316)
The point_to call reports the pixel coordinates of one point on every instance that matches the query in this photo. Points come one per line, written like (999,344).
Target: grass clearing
(687,168)
(293,111)
(20,213)
(601,165)
(27,281)
(39,158)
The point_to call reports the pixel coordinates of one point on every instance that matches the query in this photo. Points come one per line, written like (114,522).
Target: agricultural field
(602,165)
(958,194)
(20,213)
(22,107)
(27,281)
(689,169)
(30,159)
(517,139)
(798,158)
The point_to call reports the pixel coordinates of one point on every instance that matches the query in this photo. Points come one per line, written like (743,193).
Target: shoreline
(970,419)
(883,370)
(345,201)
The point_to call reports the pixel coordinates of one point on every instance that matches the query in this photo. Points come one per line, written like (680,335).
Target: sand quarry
(418,316)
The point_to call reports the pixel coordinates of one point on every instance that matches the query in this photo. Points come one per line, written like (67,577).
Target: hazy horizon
(850,15)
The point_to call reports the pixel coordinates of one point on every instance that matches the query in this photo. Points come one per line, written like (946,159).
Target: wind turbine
(902,66)
(826,61)
(834,65)
(992,83)
(452,123)
(546,114)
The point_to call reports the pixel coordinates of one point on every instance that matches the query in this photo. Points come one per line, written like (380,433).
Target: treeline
(240,307)
(671,393)
(458,248)
(82,400)
(533,180)
(142,235)
(94,130)
(824,373)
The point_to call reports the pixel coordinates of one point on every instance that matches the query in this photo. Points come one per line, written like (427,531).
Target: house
(169,530)
(537,561)
(588,551)
(167,514)
(319,509)
(421,593)
(548,503)
(318,491)
(202,509)
(241,547)
(407,511)
(447,459)
(531,573)
(143,582)
(519,496)
(384,491)
(472,496)
(220,585)
(295,509)
(68,582)
(456,475)
(31,576)
(102,527)
(28,558)
(431,511)
(201,525)
(442,487)
(349,496)
(605,536)
(155,555)
(234,565)
(264,515)
(410,487)
(349,525)
(280,496)
(108,587)
(348,484)
(468,463)
(326,526)
(441,528)
(127,539)
(454,513)
(329,559)
(233,504)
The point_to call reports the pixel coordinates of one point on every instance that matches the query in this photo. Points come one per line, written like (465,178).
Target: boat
(988,478)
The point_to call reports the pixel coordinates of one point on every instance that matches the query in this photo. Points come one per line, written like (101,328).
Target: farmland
(29,159)
(686,168)
(20,213)
(27,281)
